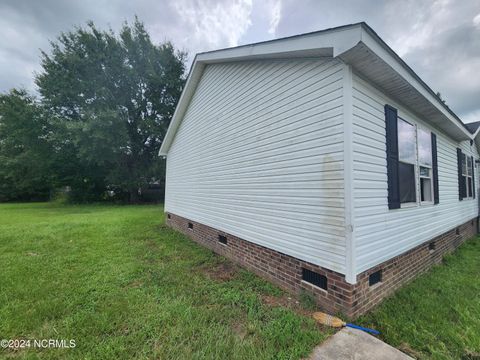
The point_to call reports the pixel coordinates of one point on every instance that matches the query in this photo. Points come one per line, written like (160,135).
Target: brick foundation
(352,300)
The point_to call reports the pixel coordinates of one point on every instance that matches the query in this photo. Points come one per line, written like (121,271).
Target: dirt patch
(151,244)
(240,330)
(221,272)
(286,301)
(471,355)
(135,284)
(163,227)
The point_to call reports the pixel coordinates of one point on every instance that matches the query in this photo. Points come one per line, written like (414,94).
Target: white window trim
(469,195)
(419,183)
(415,167)
(418,195)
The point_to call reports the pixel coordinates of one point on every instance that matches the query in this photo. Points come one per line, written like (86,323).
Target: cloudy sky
(439,39)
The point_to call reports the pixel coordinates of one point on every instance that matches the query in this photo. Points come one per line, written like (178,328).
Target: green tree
(115,95)
(25,150)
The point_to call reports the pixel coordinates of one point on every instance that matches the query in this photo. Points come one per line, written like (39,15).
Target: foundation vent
(375,278)
(222,239)
(314,278)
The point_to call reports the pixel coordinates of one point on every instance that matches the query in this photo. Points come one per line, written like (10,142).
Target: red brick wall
(352,300)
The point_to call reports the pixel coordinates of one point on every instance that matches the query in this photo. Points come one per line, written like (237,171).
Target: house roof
(473,127)
(357,45)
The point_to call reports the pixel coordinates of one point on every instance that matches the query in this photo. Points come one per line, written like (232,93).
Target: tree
(25,151)
(115,96)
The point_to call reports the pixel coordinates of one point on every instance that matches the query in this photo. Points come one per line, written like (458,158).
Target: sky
(439,39)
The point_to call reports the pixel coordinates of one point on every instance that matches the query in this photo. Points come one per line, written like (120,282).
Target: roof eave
(379,47)
(190,85)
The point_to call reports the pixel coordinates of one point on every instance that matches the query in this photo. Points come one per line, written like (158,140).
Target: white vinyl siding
(259,155)
(380,233)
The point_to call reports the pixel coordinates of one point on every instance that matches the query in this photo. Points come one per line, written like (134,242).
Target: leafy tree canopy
(113,97)
(25,152)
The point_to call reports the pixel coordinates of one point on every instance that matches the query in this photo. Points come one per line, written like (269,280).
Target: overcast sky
(440,39)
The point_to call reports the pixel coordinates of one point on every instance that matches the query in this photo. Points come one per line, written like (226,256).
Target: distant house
(321,162)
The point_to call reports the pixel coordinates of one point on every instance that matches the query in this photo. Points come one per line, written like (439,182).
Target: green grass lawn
(124,286)
(437,316)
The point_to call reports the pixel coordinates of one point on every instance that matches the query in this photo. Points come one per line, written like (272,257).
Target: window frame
(414,163)
(418,196)
(429,167)
(468,175)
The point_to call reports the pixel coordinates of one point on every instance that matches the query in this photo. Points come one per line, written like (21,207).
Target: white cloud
(15,44)
(471,116)
(276,15)
(476,20)
(439,39)
(416,33)
(213,24)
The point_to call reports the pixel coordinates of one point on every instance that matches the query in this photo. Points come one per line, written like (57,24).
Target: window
(412,163)
(425,165)
(407,161)
(406,141)
(466,175)
(467,172)
(415,165)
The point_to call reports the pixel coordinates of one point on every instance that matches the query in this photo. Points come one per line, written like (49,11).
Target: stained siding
(259,154)
(381,233)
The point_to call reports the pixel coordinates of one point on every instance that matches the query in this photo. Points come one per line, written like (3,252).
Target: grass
(437,316)
(124,286)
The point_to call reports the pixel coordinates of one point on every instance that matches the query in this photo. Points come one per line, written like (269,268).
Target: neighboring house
(321,162)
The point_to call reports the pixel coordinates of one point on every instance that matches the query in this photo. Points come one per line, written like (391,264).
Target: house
(323,163)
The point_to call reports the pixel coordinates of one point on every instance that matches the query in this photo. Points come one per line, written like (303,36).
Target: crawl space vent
(375,278)
(314,278)
(222,239)
(190,226)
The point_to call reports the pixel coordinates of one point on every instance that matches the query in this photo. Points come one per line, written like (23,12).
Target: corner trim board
(350,256)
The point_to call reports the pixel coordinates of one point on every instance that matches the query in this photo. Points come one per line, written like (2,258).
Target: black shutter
(436,198)
(473,177)
(461,183)
(392,157)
